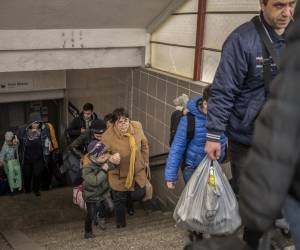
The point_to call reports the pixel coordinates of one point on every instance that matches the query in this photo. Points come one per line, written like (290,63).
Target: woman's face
(122,124)
(35,125)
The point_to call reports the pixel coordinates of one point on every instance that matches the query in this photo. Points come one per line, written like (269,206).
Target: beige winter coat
(118,143)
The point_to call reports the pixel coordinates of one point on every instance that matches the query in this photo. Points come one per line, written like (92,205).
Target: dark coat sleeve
(274,158)
(77,145)
(230,75)
(74,128)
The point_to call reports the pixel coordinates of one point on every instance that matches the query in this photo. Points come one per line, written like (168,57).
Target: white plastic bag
(207,203)
(78,198)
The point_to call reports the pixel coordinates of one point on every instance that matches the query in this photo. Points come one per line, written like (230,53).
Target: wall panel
(179,29)
(175,60)
(210,63)
(219,26)
(232,5)
(189,6)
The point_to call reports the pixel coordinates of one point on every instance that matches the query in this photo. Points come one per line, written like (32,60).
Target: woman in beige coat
(128,181)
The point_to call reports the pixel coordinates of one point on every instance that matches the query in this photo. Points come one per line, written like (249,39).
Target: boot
(120,218)
(89,235)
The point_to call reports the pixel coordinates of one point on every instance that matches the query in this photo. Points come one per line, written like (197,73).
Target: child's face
(98,136)
(10,143)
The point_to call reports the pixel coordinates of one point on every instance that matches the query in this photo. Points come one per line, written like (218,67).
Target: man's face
(278,13)
(87,115)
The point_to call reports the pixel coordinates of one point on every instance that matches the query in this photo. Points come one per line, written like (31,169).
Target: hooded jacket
(193,152)
(22,135)
(95,182)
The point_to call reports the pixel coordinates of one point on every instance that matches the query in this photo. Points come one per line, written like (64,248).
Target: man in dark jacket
(83,122)
(79,145)
(239,87)
(34,151)
(271,178)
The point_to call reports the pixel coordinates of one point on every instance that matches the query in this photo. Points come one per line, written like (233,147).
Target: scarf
(133,147)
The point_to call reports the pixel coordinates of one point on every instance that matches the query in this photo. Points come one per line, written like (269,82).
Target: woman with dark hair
(128,182)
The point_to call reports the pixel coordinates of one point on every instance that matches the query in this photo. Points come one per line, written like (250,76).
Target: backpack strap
(267,51)
(190,126)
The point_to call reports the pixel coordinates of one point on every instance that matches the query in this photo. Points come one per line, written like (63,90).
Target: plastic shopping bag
(78,198)
(207,203)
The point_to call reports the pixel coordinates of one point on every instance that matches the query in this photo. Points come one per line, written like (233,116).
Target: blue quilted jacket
(191,152)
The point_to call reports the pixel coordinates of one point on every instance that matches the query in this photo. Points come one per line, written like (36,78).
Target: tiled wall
(152,104)
(107,89)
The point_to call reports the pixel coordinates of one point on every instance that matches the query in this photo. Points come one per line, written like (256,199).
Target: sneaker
(101,223)
(89,235)
(130,211)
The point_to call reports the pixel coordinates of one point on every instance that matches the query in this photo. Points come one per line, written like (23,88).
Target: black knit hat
(98,126)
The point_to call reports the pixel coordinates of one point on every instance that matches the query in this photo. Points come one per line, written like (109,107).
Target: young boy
(96,189)
(190,152)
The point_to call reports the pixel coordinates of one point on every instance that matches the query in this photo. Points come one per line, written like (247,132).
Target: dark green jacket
(95,183)
(79,145)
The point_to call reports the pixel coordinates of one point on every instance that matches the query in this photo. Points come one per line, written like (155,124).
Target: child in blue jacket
(190,152)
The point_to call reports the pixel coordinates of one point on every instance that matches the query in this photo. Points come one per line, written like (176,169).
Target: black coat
(272,169)
(74,130)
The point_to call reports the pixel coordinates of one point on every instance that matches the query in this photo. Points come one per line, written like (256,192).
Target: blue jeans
(187,173)
(292,214)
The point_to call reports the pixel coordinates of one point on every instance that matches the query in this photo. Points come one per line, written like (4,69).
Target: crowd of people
(114,152)
(29,156)
(114,155)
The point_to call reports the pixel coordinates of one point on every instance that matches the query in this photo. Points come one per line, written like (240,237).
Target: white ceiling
(79,14)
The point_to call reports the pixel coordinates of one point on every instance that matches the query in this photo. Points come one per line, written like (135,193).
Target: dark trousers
(90,215)
(93,209)
(124,200)
(238,153)
(47,174)
(32,173)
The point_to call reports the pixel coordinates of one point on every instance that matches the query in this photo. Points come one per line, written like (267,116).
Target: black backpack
(175,119)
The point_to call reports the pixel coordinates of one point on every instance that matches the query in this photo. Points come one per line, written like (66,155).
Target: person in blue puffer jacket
(192,153)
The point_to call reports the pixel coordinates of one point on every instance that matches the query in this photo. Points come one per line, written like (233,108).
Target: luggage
(207,203)
(14,175)
(78,197)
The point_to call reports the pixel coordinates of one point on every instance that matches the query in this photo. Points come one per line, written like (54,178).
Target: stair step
(19,241)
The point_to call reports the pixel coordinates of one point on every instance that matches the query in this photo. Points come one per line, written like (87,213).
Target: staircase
(53,222)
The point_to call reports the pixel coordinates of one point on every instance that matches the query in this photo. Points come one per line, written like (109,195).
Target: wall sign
(14,86)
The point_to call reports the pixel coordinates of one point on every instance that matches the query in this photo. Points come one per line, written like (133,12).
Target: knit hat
(9,136)
(98,126)
(181,101)
(96,148)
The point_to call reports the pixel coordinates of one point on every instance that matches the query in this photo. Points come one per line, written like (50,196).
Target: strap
(265,39)
(190,126)
(267,50)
